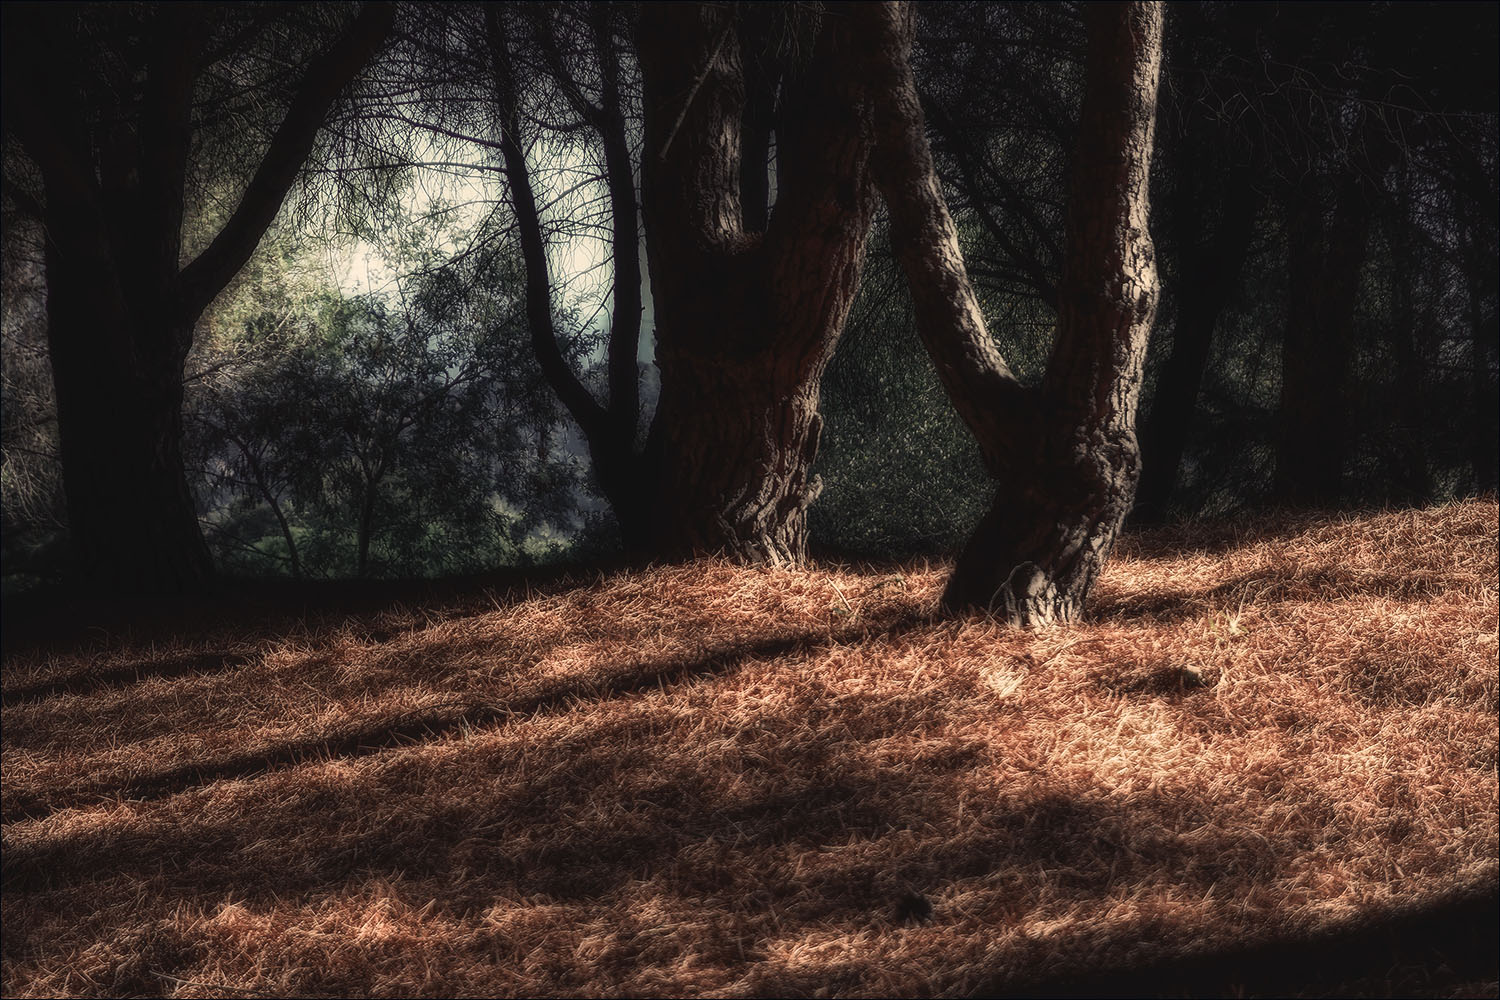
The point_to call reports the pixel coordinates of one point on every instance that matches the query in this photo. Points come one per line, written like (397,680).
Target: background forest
(369,396)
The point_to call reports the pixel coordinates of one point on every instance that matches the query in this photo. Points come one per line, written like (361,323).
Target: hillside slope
(712,780)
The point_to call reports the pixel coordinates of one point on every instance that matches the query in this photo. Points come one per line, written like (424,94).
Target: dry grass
(705,780)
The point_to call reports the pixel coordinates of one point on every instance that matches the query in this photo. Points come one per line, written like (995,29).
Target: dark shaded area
(1323,203)
(198,665)
(1451,948)
(59,616)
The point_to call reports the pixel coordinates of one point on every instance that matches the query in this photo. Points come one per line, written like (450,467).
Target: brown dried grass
(706,780)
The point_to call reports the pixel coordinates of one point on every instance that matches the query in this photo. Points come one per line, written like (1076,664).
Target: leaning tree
(1063,452)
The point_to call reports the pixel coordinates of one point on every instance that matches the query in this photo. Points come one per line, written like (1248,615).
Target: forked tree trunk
(120,310)
(1064,452)
(748,304)
(746,320)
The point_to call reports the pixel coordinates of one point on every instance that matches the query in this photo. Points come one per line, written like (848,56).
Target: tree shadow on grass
(1260,588)
(193,665)
(62,618)
(1443,949)
(594,815)
(442,722)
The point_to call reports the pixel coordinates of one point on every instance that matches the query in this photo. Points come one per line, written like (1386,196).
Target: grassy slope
(709,780)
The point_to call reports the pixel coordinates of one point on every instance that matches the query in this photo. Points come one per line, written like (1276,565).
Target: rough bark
(1065,451)
(120,312)
(746,321)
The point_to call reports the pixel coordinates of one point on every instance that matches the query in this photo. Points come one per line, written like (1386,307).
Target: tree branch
(560,376)
(206,276)
(989,398)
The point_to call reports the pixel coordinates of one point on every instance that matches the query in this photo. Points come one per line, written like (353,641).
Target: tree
(1212,200)
(747,319)
(611,428)
(102,100)
(749,297)
(1064,451)
(375,437)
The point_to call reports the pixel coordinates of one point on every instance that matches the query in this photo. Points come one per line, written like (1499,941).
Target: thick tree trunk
(120,314)
(1065,453)
(746,321)
(741,435)
(132,522)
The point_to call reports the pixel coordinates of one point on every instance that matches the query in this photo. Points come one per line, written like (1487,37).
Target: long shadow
(811,800)
(468,855)
(196,665)
(60,618)
(443,723)
(1265,586)
(1425,952)
(816,802)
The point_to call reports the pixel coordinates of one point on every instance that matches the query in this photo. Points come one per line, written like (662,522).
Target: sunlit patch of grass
(712,780)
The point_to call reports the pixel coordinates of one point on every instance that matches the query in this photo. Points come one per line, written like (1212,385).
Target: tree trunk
(609,430)
(746,321)
(1065,453)
(1323,270)
(1410,474)
(1483,341)
(736,437)
(364,532)
(132,522)
(1208,274)
(120,313)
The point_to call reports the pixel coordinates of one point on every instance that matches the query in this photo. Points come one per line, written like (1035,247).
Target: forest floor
(1265,765)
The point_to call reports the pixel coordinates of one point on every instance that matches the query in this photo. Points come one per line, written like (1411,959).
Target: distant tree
(563,46)
(1346,108)
(33,522)
(108,104)
(1064,451)
(1208,194)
